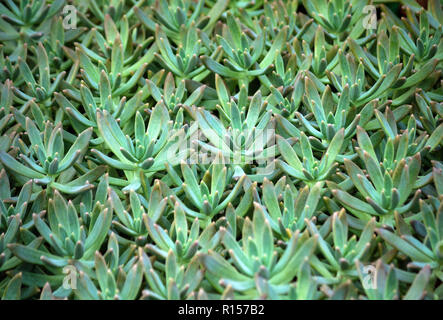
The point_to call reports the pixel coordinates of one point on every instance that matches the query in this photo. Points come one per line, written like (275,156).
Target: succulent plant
(195,150)
(179,280)
(257,257)
(423,243)
(391,180)
(212,194)
(150,149)
(45,160)
(309,169)
(27,21)
(297,206)
(115,282)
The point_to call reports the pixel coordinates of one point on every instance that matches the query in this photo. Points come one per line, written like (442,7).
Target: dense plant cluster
(320,129)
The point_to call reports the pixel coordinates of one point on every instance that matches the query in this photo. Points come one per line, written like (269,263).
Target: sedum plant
(175,97)
(212,194)
(221,150)
(68,241)
(45,160)
(177,281)
(289,215)
(42,90)
(257,259)
(182,245)
(423,243)
(114,283)
(245,57)
(391,181)
(330,119)
(249,137)
(132,224)
(150,149)
(26,21)
(342,253)
(387,284)
(12,216)
(309,169)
